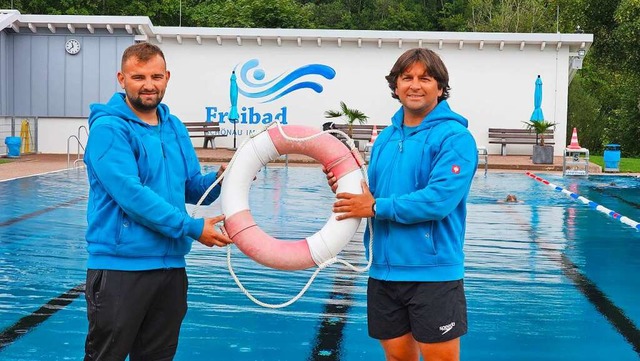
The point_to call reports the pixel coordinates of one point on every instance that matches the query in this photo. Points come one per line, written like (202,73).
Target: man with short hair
(420,174)
(142,169)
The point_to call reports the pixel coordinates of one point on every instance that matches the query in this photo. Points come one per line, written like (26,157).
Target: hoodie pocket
(412,245)
(137,240)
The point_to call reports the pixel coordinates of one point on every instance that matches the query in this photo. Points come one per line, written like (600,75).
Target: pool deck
(32,164)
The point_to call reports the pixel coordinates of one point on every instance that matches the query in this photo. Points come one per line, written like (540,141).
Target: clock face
(72,46)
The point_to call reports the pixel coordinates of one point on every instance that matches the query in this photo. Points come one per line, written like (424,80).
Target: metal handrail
(86,131)
(80,146)
(69,151)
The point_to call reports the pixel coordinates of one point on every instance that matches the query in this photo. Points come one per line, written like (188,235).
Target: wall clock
(72,46)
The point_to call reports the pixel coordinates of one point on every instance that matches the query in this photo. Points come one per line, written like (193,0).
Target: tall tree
(525,16)
(252,13)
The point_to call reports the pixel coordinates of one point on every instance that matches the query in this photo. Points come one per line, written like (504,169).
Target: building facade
(54,66)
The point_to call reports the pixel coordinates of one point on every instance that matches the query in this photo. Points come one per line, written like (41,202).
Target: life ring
(256,153)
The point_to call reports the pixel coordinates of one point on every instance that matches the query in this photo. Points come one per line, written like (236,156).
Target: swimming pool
(547,278)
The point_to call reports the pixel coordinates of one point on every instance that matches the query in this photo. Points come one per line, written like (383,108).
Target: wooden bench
(206,130)
(505,136)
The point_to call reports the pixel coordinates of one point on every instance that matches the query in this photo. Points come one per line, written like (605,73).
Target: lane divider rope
(593,205)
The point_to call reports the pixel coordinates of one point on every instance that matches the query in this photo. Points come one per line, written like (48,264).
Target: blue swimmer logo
(255,86)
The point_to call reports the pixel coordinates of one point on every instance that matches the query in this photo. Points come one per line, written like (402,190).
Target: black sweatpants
(135,313)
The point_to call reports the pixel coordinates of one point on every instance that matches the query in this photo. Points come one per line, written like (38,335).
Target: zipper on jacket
(166,177)
(387,185)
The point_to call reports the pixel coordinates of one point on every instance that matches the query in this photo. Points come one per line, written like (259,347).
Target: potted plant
(542,154)
(350,116)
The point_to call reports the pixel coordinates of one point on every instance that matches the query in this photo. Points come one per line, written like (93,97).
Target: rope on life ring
(320,249)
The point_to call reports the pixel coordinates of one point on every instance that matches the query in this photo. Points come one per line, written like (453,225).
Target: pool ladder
(80,146)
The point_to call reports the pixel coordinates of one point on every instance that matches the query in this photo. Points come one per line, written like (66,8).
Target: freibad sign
(259,85)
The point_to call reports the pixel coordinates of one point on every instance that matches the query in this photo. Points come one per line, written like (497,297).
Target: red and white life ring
(256,153)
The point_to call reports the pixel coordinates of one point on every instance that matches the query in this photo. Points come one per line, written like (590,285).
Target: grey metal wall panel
(39,78)
(10,75)
(121,47)
(22,75)
(50,82)
(91,73)
(109,65)
(56,76)
(73,82)
(4,75)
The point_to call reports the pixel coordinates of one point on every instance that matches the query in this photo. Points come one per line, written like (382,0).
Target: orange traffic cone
(374,134)
(574,140)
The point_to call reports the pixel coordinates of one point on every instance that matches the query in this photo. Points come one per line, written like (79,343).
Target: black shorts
(431,311)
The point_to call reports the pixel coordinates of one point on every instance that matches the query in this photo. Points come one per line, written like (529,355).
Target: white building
(290,75)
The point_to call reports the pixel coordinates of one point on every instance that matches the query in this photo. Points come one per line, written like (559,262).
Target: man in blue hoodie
(142,170)
(420,174)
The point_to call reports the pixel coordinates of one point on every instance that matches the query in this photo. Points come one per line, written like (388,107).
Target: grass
(627,165)
(4,161)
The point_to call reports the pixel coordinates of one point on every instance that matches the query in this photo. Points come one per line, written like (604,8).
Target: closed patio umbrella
(233,112)
(537,115)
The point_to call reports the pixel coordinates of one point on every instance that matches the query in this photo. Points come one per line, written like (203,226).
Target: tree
(349,115)
(584,114)
(453,16)
(627,32)
(512,15)
(252,13)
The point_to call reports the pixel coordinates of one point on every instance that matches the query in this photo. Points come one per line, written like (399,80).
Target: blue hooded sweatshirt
(141,176)
(420,178)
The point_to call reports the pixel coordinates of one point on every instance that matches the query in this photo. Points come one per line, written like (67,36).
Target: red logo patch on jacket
(455,169)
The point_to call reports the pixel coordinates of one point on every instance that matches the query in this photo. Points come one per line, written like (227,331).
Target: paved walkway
(32,164)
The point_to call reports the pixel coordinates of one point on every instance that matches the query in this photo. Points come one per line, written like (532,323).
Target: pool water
(546,278)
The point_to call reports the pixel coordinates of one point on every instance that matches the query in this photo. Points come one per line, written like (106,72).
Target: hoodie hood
(118,107)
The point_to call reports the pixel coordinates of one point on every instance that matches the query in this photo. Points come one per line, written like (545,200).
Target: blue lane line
(329,340)
(42,211)
(614,314)
(29,322)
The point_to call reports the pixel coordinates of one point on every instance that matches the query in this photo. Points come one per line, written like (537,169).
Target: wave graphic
(253,78)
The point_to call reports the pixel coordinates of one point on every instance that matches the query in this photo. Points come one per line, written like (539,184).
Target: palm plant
(349,115)
(539,127)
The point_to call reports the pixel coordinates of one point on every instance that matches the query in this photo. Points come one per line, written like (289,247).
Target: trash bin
(13,146)
(612,158)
